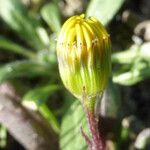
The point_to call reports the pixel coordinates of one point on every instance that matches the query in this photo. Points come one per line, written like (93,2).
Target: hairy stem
(97,140)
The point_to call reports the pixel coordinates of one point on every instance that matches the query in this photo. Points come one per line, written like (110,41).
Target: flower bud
(83,51)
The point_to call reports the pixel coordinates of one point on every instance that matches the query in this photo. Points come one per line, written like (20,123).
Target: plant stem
(97,140)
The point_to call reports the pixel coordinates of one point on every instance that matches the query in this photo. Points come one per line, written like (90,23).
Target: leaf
(104,10)
(70,137)
(13,47)
(143,139)
(50,117)
(43,35)
(132,77)
(110,105)
(137,60)
(23,68)
(39,95)
(35,100)
(17,17)
(51,15)
(139,71)
(126,56)
(3,136)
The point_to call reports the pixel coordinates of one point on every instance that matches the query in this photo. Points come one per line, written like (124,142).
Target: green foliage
(51,15)
(50,117)
(17,17)
(35,99)
(104,10)
(143,139)
(13,47)
(22,68)
(136,62)
(40,94)
(70,136)
(35,43)
(111,102)
(3,136)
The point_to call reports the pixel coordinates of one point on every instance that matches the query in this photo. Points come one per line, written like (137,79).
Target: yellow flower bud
(83,51)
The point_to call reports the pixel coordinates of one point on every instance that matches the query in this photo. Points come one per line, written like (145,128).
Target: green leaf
(51,15)
(3,137)
(110,105)
(17,17)
(70,137)
(132,77)
(39,95)
(104,10)
(133,53)
(35,99)
(50,117)
(126,56)
(143,139)
(137,62)
(23,68)
(13,47)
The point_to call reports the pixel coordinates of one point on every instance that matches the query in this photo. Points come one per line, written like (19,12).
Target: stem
(97,140)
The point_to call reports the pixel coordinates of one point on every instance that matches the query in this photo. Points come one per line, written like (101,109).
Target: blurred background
(36,111)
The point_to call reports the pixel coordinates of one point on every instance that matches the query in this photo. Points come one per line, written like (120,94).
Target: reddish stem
(97,140)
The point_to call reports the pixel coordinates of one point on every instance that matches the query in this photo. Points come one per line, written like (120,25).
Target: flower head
(83,51)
